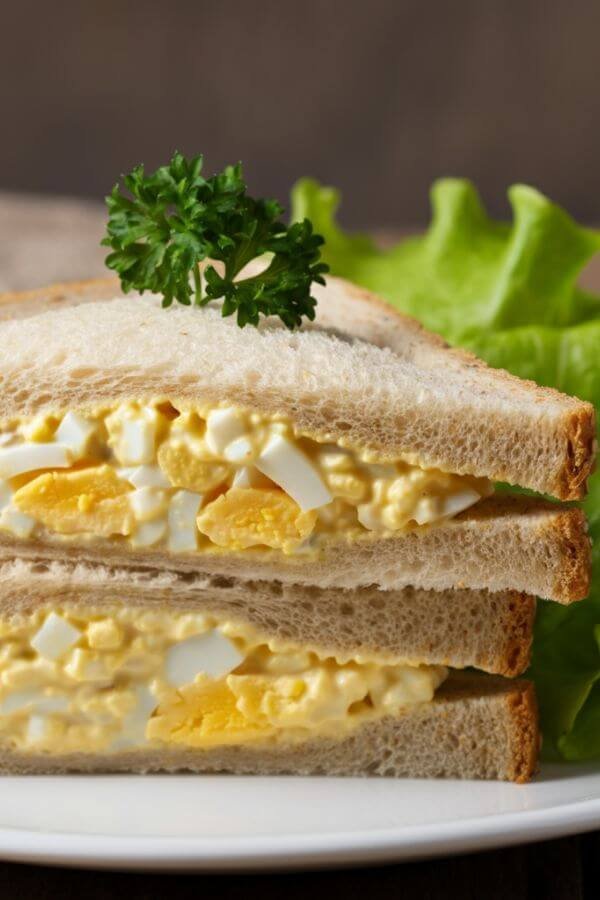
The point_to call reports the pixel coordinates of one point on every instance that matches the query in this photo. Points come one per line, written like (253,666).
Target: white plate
(226,823)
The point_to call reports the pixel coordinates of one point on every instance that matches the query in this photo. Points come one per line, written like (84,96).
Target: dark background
(556,870)
(377,97)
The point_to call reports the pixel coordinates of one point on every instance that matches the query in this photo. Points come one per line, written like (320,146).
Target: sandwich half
(358,451)
(105,669)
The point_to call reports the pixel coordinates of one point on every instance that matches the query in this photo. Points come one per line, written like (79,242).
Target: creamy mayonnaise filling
(187,479)
(85,679)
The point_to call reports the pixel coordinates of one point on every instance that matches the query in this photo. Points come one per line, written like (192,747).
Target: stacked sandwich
(260,551)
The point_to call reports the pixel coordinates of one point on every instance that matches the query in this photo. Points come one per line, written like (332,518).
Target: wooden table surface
(43,240)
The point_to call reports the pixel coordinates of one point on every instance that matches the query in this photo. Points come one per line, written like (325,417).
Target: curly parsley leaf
(163,226)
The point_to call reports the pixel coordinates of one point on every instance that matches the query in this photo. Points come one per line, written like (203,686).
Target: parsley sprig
(175,218)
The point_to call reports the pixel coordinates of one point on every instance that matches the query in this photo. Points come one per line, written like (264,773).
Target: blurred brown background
(376,97)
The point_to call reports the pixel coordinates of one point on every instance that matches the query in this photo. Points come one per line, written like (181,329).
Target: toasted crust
(476,727)
(526,738)
(21,304)
(492,632)
(573,574)
(443,406)
(502,543)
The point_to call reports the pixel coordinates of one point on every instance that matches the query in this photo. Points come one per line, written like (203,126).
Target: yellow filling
(92,500)
(109,679)
(247,517)
(188,479)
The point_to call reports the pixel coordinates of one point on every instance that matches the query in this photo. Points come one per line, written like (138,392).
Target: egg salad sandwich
(267,548)
(357,451)
(139,670)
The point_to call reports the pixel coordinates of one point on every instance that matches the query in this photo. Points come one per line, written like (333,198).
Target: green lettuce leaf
(509,293)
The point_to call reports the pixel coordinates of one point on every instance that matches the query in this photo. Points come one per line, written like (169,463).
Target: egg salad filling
(85,679)
(192,479)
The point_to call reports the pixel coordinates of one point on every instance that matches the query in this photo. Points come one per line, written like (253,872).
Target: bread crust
(492,632)
(65,293)
(526,738)
(513,431)
(502,543)
(476,727)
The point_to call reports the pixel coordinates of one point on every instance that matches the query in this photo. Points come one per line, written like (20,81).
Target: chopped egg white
(208,654)
(222,427)
(18,523)
(183,509)
(55,637)
(133,433)
(147,476)
(458,502)
(41,702)
(249,476)
(36,728)
(368,516)
(134,726)
(239,451)
(5,494)
(147,503)
(75,432)
(148,534)
(288,467)
(18,700)
(125,472)
(28,457)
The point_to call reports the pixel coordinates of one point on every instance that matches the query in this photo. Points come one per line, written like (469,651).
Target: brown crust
(102,287)
(574,574)
(517,652)
(581,452)
(525,738)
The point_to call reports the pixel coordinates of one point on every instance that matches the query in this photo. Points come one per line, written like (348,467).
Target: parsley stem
(198,286)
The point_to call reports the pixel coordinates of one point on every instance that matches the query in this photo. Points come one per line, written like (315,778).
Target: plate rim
(318,850)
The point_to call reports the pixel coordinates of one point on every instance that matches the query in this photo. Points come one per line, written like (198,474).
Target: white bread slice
(492,632)
(404,393)
(477,726)
(502,543)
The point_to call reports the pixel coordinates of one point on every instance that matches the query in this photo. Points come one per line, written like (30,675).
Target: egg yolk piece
(250,517)
(185,467)
(205,715)
(90,500)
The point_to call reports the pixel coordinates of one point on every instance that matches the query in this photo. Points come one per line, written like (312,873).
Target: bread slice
(476,727)
(405,393)
(492,632)
(502,543)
